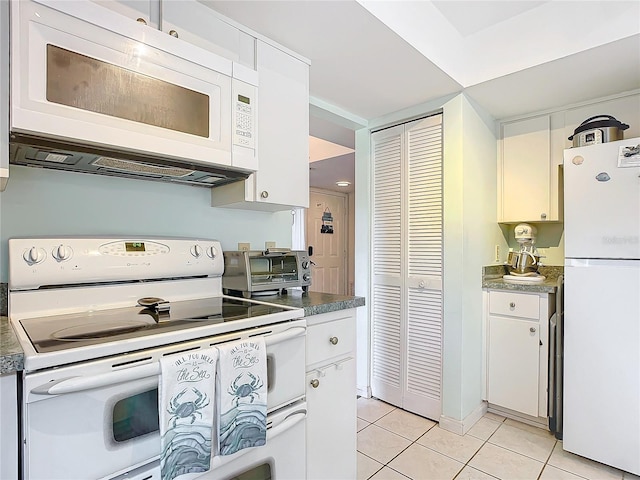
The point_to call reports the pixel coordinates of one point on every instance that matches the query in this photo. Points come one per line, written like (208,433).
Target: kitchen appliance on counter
(255,272)
(598,129)
(94,317)
(94,92)
(523,264)
(602,303)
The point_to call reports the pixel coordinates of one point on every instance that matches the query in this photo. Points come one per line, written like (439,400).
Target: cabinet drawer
(330,339)
(514,304)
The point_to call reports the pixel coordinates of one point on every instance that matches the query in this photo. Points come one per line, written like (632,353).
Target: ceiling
(370,58)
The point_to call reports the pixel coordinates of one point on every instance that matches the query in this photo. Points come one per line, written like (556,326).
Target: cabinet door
(331,421)
(200,25)
(525,171)
(144,11)
(283,128)
(513,367)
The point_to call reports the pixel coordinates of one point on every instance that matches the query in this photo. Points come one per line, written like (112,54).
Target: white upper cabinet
(192,22)
(282,179)
(4,94)
(525,190)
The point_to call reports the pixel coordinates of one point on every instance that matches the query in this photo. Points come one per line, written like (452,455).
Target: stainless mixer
(524,262)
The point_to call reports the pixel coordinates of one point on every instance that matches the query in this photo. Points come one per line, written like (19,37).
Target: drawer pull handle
(532,330)
(333,340)
(512,304)
(173,33)
(315,383)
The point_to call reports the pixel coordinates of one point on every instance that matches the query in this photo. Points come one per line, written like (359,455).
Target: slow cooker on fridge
(598,129)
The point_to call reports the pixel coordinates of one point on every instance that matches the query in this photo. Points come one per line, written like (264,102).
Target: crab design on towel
(187,409)
(245,390)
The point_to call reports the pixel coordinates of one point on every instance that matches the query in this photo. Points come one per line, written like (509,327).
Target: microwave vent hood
(34,151)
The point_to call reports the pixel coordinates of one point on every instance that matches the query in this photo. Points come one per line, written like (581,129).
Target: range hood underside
(34,151)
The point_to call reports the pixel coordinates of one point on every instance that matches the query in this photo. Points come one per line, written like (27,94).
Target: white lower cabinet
(9,426)
(331,396)
(517,331)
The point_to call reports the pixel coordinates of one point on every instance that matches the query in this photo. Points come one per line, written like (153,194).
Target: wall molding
(461,427)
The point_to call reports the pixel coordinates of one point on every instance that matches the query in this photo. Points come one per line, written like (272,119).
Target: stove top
(62,332)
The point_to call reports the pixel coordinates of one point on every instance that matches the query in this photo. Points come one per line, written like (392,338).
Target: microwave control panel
(244,114)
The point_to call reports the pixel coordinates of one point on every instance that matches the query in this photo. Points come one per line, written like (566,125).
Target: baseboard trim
(364,391)
(461,427)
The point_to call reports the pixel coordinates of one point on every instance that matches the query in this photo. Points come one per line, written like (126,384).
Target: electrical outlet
(268,245)
(497,254)
(244,247)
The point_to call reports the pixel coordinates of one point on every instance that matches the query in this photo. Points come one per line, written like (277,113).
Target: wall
(48,202)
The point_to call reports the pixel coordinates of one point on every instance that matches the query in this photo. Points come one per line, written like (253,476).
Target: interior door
(407,266)
(329,273)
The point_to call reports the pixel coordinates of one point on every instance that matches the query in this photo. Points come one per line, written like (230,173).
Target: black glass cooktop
(61,332)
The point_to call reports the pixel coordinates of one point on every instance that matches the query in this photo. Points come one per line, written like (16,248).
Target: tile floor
(396,445)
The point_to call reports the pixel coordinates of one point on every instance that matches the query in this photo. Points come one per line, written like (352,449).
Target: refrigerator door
(602,202)
(602,361)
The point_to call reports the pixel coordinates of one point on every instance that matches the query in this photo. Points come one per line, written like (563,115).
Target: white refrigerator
(602,303)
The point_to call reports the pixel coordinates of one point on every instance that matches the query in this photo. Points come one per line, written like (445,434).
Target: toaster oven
(274,270)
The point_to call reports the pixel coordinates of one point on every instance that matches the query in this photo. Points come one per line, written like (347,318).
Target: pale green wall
(48,202)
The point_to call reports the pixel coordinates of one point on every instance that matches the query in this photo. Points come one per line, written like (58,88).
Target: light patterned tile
(458,447)
(525,442)
(528,428)
(418,462)
(362,424)
(469,473)
(405,424)
(483,428)
(495,417)
(380,444)
(388,474)
(367,466)
(372,409)
(553,473)
(582,466)
(505,464)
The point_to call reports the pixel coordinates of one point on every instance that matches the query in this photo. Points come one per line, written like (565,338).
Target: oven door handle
(289,422)
(286,335)
(77,384)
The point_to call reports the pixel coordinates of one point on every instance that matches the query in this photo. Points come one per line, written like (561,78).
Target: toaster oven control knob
(196,251)
(305,264)
(61,253)
(306,277)
(212,252)
(34,255)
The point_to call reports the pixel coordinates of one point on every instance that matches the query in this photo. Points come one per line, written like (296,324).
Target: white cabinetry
(282,179)
(525,189)
(517,331)
(4,94)
(192,22)
(331,396)
(9,426)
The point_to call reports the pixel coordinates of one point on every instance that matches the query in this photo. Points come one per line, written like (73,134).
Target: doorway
(327,231)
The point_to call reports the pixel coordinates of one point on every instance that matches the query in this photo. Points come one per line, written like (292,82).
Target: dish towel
(186,411)
(242,395)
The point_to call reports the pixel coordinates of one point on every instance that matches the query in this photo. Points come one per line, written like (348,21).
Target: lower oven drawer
(100,418)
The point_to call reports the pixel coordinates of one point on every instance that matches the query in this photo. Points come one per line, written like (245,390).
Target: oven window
(135,416)
(261,472)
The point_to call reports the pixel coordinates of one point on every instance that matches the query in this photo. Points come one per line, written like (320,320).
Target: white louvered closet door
(407,266)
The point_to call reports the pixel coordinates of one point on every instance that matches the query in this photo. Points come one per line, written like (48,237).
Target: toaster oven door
(278,270)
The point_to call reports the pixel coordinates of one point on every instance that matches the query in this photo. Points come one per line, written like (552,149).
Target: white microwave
(85,77)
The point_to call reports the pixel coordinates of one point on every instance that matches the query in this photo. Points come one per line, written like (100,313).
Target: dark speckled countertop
(492,279)
(12,358)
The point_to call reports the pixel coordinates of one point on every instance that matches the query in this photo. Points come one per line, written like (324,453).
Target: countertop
(492,279)
(12,358)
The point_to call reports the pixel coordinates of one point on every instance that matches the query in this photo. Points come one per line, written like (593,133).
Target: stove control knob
(34,255)
(61,253)
(212,252)
(196,251)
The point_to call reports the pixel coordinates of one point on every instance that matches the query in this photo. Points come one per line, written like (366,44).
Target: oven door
(99,419)
(70,60)
(282,458)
